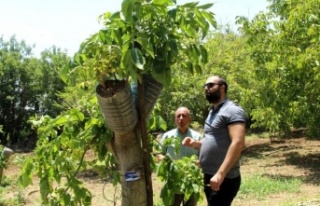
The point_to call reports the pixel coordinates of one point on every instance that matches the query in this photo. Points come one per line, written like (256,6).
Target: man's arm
(237,134)
(189,142)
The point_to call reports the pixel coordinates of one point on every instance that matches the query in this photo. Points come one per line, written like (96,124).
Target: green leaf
(191,4)
(189,29)
(162,2)
(77,58)
(60,120)
(161,123)
(201,21)
(209,16)
(106,15)
(76,115)
(195,187)
(137,58)
(63,73)
(102,35)
(90,123)
(204,54)
(189,66)
(205,30)
(162,75)
(173,46)
(165,195)
(195,49)
(114,16)
(172,13)
(205,6)
(126,9)
(25,178)
(44,187)
(198,69)
(161,170)
(146,44)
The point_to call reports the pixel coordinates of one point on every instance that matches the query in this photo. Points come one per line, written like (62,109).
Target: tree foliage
(285,49)
(29,87)
(228,58)
(147,37)
(61,148)
(179,176)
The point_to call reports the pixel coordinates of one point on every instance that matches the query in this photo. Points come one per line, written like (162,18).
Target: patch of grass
(263,135)
(259,186)
(19,160)
(10,185)
(315,202)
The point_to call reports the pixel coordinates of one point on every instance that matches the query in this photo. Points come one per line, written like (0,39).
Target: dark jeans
(228,191)
(178,199)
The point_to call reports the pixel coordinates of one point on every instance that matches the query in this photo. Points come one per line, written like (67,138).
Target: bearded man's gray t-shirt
(216,139)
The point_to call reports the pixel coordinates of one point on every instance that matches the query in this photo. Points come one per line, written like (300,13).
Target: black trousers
(228,191)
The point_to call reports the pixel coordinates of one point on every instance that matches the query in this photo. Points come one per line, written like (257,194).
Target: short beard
(213,97)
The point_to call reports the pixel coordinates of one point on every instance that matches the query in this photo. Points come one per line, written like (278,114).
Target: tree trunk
(130,146)
(127,150)
(145,141)
(1,172)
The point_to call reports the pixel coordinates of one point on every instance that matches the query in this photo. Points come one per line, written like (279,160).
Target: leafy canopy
(147,37)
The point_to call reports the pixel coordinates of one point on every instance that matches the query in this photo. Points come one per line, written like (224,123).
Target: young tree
(139,45)
(132,58)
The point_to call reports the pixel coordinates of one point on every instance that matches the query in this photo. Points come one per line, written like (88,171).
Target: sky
(67,23)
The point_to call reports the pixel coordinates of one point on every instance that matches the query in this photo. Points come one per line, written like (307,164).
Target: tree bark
(130,145)
(127,150)
(145,143)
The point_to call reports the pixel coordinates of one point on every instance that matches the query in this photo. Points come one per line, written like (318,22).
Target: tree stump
(6,153)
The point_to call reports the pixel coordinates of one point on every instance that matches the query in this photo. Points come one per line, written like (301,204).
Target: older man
(182,121)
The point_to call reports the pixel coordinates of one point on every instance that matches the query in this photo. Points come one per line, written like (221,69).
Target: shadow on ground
(310,162)
(299,153)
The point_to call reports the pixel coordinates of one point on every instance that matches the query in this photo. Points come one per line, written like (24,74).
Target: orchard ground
(287,159)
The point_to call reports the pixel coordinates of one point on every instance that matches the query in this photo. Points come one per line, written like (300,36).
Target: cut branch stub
(152,90)
(117,106)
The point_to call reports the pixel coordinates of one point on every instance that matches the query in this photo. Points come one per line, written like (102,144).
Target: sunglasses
(211,84)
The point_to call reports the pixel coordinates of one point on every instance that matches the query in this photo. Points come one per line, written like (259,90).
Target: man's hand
(160,157)
(198,163)
(188,142)
(216,181)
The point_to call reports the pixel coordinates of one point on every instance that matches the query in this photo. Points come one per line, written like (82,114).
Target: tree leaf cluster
(147,37)
(179,176)
(60,154)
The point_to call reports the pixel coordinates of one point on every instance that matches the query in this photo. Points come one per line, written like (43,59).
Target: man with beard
(220,149)
(182,121)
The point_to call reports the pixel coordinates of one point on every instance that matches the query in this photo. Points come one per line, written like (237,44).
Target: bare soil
(290,158)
